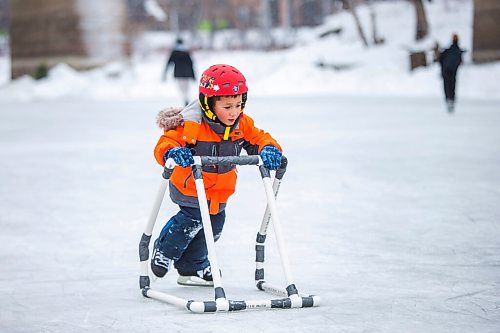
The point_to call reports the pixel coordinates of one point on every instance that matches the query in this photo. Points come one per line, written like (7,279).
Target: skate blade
(194,281)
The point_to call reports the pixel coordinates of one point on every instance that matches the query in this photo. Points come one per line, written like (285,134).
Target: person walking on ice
(213,125)
(450,59)
(183,68)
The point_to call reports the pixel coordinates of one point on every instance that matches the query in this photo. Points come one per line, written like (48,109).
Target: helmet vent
(225,85)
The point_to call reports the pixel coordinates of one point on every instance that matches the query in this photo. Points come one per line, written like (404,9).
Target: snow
(389,206)
(381,70)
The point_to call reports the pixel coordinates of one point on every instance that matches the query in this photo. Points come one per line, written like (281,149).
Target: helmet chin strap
(228,129)
(226,133)
(205,106)
(243,101)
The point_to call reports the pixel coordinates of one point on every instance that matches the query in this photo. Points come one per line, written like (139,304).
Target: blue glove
(271,157)
(181,155)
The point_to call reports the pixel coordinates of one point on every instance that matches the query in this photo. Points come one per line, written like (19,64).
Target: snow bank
(350,68)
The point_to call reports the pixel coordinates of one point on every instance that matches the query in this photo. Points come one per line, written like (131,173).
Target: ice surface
(390,206)
(390,209)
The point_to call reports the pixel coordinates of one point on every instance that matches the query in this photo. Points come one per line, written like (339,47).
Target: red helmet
(222,80)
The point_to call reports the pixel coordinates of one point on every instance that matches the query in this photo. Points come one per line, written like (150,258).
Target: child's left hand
(271,157)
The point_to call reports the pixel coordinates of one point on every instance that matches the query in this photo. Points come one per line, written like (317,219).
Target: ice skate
(201,278)
(160,264)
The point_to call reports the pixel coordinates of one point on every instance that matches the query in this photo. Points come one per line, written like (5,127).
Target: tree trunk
(267,38)
(422,25)
(350,6)
(375,37)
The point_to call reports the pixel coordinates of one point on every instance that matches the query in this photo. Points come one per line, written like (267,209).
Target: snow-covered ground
(374,71)
(390,212)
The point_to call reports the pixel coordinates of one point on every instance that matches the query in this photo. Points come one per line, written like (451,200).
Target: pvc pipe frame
(291,297)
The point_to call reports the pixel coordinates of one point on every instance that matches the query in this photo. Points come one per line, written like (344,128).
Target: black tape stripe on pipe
(219,293)
(281,171)
(144,282)
(237,305)
(259,253)
(144,247)
(261,238)
(259,275)
(307,302)
(292,290)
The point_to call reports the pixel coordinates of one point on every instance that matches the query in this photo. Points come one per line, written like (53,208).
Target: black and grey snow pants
(183,240)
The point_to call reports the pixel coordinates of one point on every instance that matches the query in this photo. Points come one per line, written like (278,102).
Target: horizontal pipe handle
(226,161)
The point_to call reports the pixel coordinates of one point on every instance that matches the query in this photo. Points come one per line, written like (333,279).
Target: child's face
(228,109)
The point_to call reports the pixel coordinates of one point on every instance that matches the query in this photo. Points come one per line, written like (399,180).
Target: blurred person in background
(183,68)
(450,59)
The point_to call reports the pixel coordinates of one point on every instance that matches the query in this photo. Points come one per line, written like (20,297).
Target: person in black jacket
(183,68)
(450,59)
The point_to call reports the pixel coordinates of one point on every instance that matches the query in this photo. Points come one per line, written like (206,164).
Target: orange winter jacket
(207,138)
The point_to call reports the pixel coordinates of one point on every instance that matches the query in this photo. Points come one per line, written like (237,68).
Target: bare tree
(267,38)
(349,5)
(422,25)
(373,18)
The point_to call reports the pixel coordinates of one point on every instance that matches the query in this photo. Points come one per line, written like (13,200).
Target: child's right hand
(181,155)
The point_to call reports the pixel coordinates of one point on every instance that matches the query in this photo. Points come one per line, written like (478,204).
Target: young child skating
(213,125)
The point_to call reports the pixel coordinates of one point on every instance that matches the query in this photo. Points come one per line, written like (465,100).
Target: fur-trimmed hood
(173,117)
(170,118)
